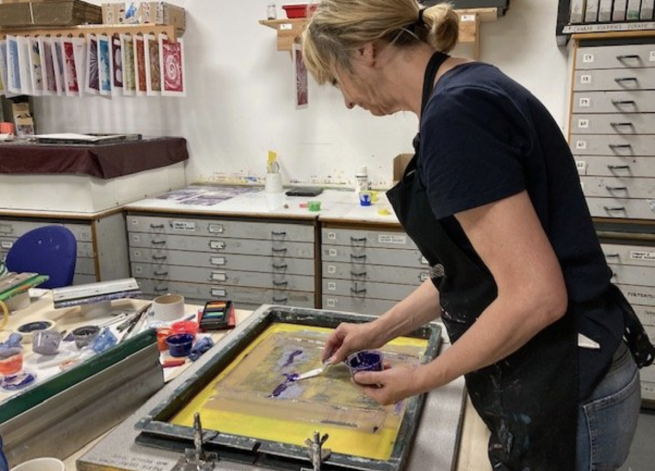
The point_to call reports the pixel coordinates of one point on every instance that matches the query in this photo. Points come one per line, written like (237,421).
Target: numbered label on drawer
(584,102)
(583,123)
(585,79)
(331,302)
(587,58)
(6,244)
(332,252)
(392,239)
(581,166)
(216,228)
(217,261)
(332,269)
(218,292)
(217,244)
(651,56)
(219,276)
(185,226)
(580,145)
(639,255)
(331,286)
(332,235)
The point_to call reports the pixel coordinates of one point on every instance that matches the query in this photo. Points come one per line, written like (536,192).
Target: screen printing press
(233,410)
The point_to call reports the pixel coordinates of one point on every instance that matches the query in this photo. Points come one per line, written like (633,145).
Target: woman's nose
(349,104)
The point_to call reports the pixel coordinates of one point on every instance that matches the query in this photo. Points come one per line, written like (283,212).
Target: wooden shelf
(81,30)
(469,28)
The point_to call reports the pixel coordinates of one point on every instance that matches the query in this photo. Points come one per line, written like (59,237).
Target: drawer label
(424,261)
(185,226)
(331,302)
(640,255)
(6,245)
(640,295)
(218,292)
(583,123)
(286,27)
(136,238)
(587,58)
(580,145)
(136,253)
(392,239)
(216,228)
(219,276)
(134,221)
(332,286)
(651,56)
(332,252)
(584,102)
(138,270)
(651,205)
(425,276)
(585,79)
(217,261)
(332,269)
(582,167)
(216,244)
(332,235)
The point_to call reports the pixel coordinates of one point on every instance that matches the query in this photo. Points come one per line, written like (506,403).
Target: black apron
(528,400)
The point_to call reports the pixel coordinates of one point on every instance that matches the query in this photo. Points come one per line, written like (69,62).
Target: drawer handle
(358,257)
(618,125)
(611,255)
(159,257)
(280,267)
(278,234)
(280,283)
(624,57)
(620,146)
(618,167)
(161,290)
(156,226)
(623,102)
(357,239)
(358,291)
(614,208)
(625,79)
(361,273)
(160,273)
(279,250)
(616,188)
(158,242)
(280,300)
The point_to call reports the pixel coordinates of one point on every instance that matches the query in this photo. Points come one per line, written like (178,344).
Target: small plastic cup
(83,335)
(46,342)
(365,198)
(365,360)
(103,341)
(179,345)
(185,327)
(162,334)
(12,362)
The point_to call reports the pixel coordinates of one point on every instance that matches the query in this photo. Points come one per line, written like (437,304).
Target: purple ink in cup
(366,360)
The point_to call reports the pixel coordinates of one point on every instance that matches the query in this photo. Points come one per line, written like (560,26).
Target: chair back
(47,250)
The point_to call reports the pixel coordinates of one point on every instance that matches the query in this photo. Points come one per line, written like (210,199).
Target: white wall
(240,95)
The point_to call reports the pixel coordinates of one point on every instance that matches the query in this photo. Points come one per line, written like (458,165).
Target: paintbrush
(135,321)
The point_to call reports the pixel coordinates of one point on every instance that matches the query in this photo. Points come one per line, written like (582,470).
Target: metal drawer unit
(205,257)
(612,126)
(368,270)
(101,243)
(633,266)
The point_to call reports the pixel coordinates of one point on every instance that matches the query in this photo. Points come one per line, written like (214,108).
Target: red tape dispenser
(218,315)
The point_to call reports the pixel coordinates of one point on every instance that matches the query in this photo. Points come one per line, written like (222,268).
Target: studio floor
(642,453)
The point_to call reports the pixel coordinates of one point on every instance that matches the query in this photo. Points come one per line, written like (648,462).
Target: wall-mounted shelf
(469,28)
(81,30)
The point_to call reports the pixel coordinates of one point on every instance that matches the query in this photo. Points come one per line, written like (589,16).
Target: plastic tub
(185,327)
(12,363)
(83,335)
(46,342)
(298,11)
(179,345)
(366,360)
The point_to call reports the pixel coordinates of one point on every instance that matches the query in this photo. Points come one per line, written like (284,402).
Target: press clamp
(315,450)
(197,459)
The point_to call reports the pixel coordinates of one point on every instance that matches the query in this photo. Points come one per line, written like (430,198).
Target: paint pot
(366,360)
(103,341)
(27,330)
(168,307)
(11,360)
(46,342)
(7,128)
(17,381)
(41,464)
(314,206)
(83,335)
(365,198)
(179,345)
(162,334)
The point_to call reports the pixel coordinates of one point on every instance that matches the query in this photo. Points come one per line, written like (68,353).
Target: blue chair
(47,250)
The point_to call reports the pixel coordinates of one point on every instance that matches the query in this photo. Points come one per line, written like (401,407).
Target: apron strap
(431,70)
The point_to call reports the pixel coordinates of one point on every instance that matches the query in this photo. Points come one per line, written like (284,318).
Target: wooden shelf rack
(469,28)
(81,30)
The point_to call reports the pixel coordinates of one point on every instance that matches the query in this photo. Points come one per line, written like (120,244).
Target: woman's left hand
(389,386)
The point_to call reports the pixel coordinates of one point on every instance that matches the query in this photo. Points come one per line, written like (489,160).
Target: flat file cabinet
(368,270)
(633,270)
(250,262)
(612,124)
(101,241)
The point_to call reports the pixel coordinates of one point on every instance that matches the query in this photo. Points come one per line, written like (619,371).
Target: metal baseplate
(196,459)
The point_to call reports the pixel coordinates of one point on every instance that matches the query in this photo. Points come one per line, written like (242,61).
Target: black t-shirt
(484,137)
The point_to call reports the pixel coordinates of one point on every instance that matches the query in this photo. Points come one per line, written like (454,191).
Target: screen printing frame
(156,431)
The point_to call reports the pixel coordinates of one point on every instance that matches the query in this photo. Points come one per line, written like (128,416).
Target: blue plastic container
(179,345)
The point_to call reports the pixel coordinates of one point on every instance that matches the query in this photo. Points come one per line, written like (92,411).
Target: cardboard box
(159,13)
(399,164)
(49,13)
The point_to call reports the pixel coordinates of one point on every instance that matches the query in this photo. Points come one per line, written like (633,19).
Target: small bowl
(83,335)
(185,327)
(179,345)
(46,342)
(28,330)
(301,10)
(12,363)
(366,360)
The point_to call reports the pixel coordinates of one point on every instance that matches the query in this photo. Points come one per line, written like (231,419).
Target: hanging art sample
(104,65)
(153,65)
(35,65)
(116,64)
(172,66)
(129,74)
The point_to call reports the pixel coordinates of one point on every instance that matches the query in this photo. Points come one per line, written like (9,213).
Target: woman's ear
(367,53)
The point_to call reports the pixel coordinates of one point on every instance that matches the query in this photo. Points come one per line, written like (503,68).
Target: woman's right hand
(348,338)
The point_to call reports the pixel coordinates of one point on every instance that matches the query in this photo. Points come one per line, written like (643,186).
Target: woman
(493,201)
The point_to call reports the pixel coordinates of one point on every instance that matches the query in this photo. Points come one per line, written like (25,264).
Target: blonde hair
(338,27)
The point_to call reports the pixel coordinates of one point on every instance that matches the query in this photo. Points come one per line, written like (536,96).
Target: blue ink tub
(179,345)
(366,360)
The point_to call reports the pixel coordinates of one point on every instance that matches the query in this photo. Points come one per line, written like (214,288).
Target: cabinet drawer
(613,123)
(242,297)
(366,239)
(374,256)
(638,255)
(638,295)
(621,145)
(281,264)
(366,289)
(639,101)
(223,245)
(16,229)
(646,314)
(361,272)
(648,374)
(224,228)
(615,166)
(648,391)
(614,79)
(608,57)
(618,187)
(224,277)
(375,307)
(633,275)
(622,208)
